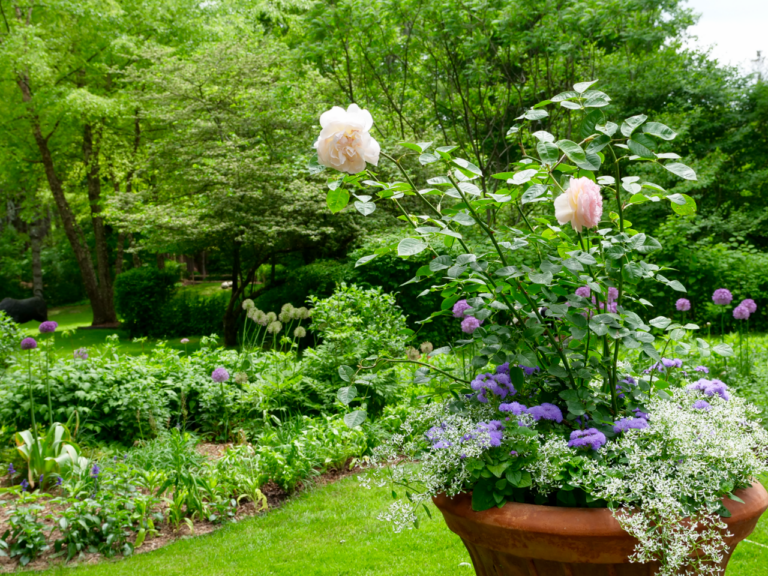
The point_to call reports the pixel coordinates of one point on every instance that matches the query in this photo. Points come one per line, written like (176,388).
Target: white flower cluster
(677,468)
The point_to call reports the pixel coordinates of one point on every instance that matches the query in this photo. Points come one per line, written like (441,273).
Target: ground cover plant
(548,415)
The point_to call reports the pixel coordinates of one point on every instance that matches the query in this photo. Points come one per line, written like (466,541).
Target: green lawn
(333,531)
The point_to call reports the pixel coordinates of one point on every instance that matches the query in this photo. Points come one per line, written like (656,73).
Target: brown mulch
(275,495)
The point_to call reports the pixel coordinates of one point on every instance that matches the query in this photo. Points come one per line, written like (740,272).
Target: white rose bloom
(345,142)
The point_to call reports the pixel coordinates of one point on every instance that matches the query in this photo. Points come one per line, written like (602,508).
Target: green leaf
(630,124)
(639,149)
(337,200)
(675,285)
(498,469)
(660,322)
(466,168)
(548,152)
(723,349)
(365,208)
(651,351)
(609,128)
(355,419)
(543,136)
(428,159)
(682,204)
(660,130)
(411,246)
(420,147)
(582,87)
(346,394)
(364,260)
(591,163)
(681,170)
(535,114)
(482,496)
(565,96)
(572,150)
(543,278)
(588,124)
(533,194)
(346,372)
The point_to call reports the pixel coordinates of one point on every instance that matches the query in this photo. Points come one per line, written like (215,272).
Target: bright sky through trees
(736,29)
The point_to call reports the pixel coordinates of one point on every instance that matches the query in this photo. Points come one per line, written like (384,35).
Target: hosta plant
(568,392)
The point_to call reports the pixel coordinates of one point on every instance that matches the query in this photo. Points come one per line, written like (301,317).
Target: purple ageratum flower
(683,304)
(589,438)
(625,424)
(529,370)
(741,312)
(583,291)
(441,444)
(546,411)
(702,369)
(49,326)
(459,308)
(722,297)
(503,368)
(498,384)
(24,485)
(95,471)
(701,405)
(28,344)
(494,430)
(749,304)
(710,388)
(185,340)
(514,407)
(640,414)
(672,362)
(470,324)
(220,374)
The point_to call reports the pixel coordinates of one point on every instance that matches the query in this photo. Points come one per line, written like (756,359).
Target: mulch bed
(275,495)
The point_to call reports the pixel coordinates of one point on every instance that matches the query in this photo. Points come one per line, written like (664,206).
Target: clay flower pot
(531,540)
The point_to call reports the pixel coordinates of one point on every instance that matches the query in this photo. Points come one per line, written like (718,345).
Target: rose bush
(562,396)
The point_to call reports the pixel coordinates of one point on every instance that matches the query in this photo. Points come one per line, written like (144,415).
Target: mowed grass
(333,531)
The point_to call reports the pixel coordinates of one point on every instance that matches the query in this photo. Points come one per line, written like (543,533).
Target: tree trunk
(234,309)
(107,314)
(37,232)
(120,251)
(68,221)
(134,255)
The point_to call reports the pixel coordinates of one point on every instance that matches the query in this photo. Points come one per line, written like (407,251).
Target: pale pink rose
(345,142)
(581,204)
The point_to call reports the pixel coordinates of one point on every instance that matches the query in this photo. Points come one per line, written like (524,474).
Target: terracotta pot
(530,540)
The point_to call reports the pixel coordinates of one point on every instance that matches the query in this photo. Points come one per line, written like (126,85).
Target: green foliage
(10,338)
(25,538)
(185,315)
(140,296)
(296,285)
(47,457)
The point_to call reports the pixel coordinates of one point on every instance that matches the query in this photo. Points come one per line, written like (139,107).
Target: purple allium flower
(589,438)
(683,304)
(625,424)
(28,344)
(515,407)
(722,297)
(11,469)
(741,312)
(583,291)
(470,324)
(459,308)
(711,387)
(613,294)
(49,326)
(95,471)
(640,414)
(702,405)
(220,374)
(749,304)
(24,485)
(185,340)
(546,411)
(81,353)
(529,370)
(702,369)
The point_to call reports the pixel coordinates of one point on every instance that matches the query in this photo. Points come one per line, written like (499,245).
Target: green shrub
(10,338)
(140,296)
(355,323)
(186,314)
(318,279)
